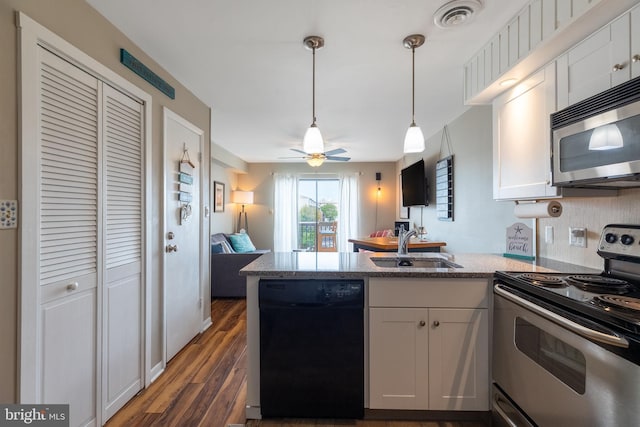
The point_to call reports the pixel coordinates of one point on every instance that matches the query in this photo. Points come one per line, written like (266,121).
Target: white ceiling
(246,60)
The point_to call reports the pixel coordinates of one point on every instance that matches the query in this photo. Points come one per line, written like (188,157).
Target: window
(318,207)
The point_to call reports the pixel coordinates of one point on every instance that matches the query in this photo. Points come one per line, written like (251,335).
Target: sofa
(225,265)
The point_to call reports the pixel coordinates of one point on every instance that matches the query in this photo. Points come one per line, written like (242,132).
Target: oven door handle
(612,339)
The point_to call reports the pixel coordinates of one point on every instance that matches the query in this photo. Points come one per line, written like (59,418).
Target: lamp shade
(414,140)
(606,138)
(312,142)
(315,161)
(242,197)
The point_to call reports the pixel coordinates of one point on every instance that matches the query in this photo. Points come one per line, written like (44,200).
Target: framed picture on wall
(218,196)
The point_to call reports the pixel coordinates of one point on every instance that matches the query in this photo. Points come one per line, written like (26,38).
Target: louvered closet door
(123,296)
(68,236)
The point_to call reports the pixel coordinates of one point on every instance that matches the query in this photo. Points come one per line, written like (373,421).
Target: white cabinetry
(539,22)
(428,344)
(599,62)
(521,145)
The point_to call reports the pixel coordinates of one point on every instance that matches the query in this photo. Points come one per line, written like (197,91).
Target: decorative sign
(444,189)
(184,197)
(519,241)
(143,71)
(185,178)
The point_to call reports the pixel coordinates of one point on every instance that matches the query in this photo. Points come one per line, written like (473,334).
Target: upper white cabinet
(521,147)
(537,35)
(608,57)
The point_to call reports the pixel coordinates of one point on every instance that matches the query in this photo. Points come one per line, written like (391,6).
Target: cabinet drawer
(426,292)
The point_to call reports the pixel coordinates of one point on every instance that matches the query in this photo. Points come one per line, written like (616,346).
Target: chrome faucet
(403,240)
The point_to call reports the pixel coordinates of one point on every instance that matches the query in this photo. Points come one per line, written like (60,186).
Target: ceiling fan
(316,159)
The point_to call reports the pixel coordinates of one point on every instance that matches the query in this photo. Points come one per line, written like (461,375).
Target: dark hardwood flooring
(205,384)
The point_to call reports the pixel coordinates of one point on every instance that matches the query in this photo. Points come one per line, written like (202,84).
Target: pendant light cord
(413,86)
(313,86)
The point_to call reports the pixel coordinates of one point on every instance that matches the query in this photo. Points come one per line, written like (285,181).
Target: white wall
(479,222)
(593,214)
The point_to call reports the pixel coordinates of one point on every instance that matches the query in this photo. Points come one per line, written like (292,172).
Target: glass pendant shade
(414,140)
(312,142)
(315,161)
(606,138)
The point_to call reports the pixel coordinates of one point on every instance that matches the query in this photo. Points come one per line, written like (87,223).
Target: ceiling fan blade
(336,151)
(292,157)
(298,151)
(340,159)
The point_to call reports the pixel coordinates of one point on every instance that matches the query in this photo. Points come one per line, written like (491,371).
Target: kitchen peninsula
(426,330)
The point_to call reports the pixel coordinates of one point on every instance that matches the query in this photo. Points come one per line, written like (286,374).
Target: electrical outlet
(578,237)
(548,234)
(8,214)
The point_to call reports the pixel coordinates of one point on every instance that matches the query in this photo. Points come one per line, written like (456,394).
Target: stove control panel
(620,240)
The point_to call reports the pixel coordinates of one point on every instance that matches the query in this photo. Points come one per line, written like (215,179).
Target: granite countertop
(353,264)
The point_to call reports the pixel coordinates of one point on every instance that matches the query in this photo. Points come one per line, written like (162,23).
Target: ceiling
(246,60)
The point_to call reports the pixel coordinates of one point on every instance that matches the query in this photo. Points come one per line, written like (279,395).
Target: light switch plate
(548,234)
(578,237)
(8,214)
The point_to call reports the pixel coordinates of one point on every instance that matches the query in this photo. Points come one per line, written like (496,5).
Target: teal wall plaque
(143,71)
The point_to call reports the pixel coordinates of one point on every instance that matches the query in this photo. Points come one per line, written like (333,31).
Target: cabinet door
(635,42)
(398,348)
(596,64)
(458,359)
(521,146)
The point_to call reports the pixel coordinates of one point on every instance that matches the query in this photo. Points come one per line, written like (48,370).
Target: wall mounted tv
(414,185)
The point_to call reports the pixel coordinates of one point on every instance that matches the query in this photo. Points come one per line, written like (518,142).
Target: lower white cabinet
(423,354)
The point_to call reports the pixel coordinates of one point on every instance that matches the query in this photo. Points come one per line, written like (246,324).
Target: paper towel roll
(538,210)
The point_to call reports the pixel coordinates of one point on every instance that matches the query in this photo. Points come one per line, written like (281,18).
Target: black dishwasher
(311,348)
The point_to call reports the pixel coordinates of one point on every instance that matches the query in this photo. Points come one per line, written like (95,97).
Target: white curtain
(349,210)
(285,213)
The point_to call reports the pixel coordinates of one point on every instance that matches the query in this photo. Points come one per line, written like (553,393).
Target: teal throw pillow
(241,242)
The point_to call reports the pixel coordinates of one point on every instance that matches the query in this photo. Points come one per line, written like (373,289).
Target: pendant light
(414,139)
(312,142)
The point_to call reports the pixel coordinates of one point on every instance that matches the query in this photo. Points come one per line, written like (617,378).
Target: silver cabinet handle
(436,324)
(171,248)
(617,67)
(72,286)
(612,339)
(422,323)
(635,58)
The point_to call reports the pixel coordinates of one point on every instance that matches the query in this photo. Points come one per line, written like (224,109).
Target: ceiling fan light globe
(414,140)
(314,162)
(312,142)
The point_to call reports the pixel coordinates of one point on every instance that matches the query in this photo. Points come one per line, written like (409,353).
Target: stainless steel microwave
(596,142)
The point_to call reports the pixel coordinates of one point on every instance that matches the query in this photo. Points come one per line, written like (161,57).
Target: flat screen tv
(414,185)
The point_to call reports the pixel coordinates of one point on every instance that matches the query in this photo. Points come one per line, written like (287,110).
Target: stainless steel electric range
(567,346)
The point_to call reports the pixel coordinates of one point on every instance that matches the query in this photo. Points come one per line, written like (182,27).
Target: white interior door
(182,270)
(123,291)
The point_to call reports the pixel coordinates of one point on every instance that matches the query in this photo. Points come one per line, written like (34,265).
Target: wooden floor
(205,384)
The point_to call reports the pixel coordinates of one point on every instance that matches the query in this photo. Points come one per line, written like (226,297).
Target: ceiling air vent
(456,13)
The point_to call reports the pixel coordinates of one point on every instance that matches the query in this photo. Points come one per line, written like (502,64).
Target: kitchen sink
(413,262)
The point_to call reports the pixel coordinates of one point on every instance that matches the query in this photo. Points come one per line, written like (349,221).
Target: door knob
(422,323)
(436,323)
(171,235)
(617,67)
(171,248)
(635,58)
